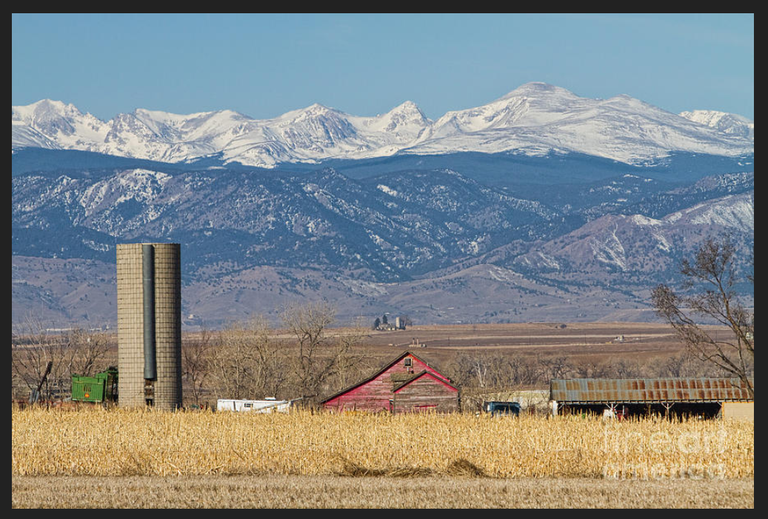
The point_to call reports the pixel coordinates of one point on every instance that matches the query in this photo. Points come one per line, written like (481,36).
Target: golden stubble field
(120,458)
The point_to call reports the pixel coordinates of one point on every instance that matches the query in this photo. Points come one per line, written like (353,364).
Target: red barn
(407,384)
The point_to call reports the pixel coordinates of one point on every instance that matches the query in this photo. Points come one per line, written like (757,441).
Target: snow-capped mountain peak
(43,111)
(401,126)
(54,124)
(731,124)
(535,119)
(539,90)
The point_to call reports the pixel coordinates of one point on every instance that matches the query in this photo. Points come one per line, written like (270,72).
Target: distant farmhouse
(384,325)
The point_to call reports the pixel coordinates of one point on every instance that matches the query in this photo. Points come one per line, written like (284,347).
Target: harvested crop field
(325,460)
(576,340)
(285,491)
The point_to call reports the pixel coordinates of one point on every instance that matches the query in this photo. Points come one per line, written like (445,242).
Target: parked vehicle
(502,408)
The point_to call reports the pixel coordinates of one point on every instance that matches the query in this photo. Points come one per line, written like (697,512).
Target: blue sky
(264,65)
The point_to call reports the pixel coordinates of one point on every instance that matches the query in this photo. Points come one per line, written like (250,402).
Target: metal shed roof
(639,390)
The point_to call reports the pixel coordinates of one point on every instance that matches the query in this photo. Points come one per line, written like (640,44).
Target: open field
(105,458)
(286,491)
(589,342)
(575,340)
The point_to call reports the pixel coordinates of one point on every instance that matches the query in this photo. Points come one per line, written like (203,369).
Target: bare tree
(196,364)
(710,280)
(87,350)
(76,351)
(681,365)
(554,367)
(460,370)
(32,349)
(348,365)
(479,370)
(245,361)
(590,369)
(319,357)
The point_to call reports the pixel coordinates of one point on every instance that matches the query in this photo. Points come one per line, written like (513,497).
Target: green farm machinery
(100,388)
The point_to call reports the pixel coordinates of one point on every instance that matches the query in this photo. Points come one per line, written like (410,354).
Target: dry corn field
(118,442)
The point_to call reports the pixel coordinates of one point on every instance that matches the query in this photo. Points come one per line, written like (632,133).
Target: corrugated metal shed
(639,390)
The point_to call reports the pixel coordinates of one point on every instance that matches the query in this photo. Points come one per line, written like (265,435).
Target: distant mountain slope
(431,243)
(641,245)
(389,227)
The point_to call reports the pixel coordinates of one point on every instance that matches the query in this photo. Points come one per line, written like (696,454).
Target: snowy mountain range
(535,119)
(538,206)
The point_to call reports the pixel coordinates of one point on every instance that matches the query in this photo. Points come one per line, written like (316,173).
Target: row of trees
(244,360)
(493,372)
(79,351)
(303,361)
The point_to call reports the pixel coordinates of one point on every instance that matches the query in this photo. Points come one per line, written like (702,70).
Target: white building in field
(253,406)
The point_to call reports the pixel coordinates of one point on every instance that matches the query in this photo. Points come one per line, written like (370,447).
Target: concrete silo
(149,325)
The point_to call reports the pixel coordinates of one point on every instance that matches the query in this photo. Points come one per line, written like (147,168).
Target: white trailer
(253,406)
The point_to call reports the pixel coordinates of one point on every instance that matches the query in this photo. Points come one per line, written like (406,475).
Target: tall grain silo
(149,325)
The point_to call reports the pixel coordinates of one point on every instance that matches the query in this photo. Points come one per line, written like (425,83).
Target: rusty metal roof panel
(594,390)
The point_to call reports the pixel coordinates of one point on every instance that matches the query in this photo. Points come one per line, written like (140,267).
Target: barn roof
(423,373)
(637,390)
(382,370)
